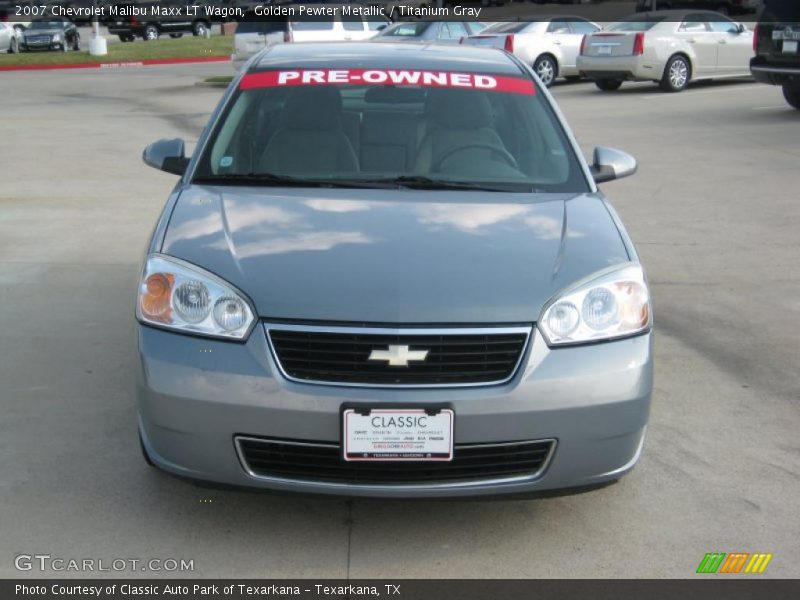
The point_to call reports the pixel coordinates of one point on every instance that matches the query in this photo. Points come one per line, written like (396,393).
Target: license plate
(604,50)
(789,47)
(397,434)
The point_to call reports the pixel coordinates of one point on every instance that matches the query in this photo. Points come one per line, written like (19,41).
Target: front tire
(547,69)
(677,74)
(77,44)
(792,95)
(14,47)
(608,85)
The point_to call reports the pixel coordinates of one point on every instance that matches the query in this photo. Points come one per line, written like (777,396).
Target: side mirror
(610,164)
(740,28)
(167,155)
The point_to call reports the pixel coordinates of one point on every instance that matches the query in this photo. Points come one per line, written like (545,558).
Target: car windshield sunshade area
(416,129)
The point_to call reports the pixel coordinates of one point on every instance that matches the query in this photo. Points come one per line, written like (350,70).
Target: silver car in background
(670,47)
(253,34)
(432,32)
(387,270)
(9,38)
(550,44)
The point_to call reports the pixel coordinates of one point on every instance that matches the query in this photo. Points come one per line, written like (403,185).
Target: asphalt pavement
(715,216)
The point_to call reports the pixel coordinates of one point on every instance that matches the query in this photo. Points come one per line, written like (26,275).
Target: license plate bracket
(372,433)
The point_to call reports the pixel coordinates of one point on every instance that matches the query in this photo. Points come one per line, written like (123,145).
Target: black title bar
(711,587)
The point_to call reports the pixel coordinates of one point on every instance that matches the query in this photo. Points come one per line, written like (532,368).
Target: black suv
(777,45)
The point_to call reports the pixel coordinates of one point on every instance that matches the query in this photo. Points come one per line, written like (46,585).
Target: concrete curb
(117,65)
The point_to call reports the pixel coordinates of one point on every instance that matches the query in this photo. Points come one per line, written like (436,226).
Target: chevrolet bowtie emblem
(398,356)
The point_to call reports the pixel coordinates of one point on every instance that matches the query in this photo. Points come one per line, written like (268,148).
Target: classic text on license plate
(412,434)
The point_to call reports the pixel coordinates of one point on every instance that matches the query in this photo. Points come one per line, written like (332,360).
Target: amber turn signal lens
(155,297)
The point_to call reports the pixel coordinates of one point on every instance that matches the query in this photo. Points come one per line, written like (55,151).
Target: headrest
(459,109)
(313,107)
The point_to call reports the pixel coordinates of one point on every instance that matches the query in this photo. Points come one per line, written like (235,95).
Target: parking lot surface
(713,211)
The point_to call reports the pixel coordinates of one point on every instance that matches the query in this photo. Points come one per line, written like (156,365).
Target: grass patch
(185,47)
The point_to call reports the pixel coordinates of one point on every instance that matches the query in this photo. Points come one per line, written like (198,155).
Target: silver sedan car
(9,38)
(387,270)
(670,47)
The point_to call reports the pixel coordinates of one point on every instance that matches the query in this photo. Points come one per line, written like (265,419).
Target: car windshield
(517,27)
(414,128)
(46,25)
(406,30)
(636,24)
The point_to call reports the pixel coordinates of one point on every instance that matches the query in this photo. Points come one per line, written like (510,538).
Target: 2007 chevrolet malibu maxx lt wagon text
(388,271)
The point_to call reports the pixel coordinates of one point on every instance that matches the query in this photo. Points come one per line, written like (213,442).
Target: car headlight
(56,37)
(611,304)
(177,295)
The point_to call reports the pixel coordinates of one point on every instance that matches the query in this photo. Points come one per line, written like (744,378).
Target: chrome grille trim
(400,331)
(422,486)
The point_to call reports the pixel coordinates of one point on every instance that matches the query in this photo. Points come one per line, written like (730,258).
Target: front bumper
(196,395)
(625,68)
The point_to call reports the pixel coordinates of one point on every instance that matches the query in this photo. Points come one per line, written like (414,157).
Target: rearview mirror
(167,155)
(610,164)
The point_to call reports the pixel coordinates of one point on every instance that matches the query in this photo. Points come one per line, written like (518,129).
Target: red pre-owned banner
(476,81)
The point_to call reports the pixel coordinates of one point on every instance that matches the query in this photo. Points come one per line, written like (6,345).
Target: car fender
(532,47)
(667,47)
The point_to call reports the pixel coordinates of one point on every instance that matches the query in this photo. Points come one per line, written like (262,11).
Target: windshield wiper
(421,182)
(273,179)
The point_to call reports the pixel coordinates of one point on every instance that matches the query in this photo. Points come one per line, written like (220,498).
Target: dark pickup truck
(777,48)
(138,19)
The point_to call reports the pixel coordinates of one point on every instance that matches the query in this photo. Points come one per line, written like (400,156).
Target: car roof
(370,55)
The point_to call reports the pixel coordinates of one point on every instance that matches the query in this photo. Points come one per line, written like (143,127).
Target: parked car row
(671,47)
(668,47)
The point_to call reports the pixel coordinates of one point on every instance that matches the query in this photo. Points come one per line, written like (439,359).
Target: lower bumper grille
(369,356)
(321,462)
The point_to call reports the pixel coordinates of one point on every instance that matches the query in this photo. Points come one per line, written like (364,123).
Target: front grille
(37,39)
(455,357)
(321,462)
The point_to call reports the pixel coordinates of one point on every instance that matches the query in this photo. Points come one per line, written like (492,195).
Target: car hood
(394,256)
